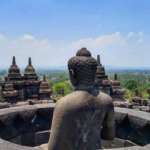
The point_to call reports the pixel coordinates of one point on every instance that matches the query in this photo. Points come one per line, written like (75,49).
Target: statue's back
(83,116)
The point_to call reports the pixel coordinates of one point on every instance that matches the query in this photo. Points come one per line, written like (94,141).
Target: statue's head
(82,68)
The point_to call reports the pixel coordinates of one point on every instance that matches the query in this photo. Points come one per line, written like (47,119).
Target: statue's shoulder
(104,98)
(73,100)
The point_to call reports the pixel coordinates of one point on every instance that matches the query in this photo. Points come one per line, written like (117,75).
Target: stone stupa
(101,79)
(44,90)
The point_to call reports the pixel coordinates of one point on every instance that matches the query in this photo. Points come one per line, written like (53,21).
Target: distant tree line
(135,83)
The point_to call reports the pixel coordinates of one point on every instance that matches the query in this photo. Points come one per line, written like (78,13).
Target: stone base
(116,143)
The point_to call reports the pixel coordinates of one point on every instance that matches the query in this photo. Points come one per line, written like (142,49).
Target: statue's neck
(83,87)
(89,88)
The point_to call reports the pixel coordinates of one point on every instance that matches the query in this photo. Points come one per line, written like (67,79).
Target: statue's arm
(57,136)
(108,130)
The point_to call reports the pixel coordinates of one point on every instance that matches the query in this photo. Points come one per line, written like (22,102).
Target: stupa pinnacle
(30,71)
(44,90)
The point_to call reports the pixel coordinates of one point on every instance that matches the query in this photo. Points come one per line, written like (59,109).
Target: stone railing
(29,126)
(134,126)
(25,125)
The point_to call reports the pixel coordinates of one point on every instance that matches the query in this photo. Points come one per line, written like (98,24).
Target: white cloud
(28,37)
(43,52)
(101,41)
(109,40)
(116,49)
(2,37)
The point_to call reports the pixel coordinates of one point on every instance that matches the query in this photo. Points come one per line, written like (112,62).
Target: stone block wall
(29,125)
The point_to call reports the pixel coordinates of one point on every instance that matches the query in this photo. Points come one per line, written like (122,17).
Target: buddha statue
(86,115)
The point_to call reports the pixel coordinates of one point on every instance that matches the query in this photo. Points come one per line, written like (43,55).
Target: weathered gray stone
(4,105)
(17,121)
(122,104)
(4,145)
(121,114)
(16,140)
(28,139)
(116,143)
(145,108)
(41,137)
(135,126)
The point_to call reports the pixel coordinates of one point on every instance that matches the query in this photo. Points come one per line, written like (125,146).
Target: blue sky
(50,31)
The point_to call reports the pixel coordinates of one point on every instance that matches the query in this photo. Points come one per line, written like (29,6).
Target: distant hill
(109,69)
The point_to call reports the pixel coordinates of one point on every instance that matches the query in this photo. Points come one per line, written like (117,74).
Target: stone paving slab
(4,145)
(134,113)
